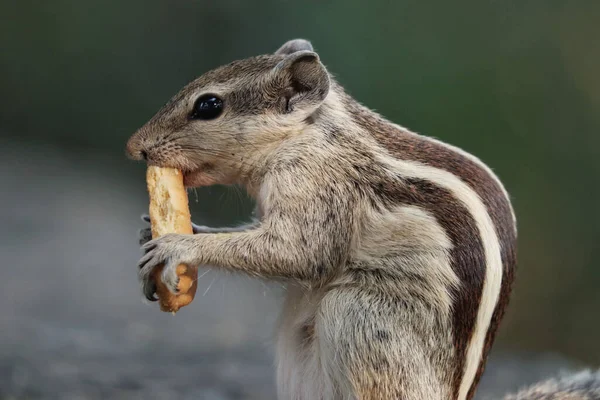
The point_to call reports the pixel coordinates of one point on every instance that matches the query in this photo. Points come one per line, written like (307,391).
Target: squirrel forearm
(257,252)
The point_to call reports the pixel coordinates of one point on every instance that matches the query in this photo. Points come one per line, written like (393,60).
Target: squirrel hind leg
(372,350)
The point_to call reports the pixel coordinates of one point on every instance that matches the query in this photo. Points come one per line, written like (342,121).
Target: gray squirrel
(398,251)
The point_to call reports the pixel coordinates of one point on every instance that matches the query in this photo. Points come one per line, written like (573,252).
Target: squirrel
(398,251)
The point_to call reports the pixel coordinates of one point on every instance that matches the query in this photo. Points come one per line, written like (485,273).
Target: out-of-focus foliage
(516,83)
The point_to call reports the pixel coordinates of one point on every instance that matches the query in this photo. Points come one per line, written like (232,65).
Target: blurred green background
(516,83)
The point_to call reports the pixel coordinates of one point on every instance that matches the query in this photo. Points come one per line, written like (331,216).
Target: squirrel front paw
(170,250)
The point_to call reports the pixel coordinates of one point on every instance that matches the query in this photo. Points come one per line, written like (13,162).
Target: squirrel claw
(149,290)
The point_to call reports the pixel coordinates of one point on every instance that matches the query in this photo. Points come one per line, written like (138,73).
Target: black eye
(207,106)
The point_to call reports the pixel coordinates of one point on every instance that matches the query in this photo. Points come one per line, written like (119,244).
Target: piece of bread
(170,213)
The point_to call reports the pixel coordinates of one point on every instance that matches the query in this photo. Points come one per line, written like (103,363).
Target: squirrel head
(217,124)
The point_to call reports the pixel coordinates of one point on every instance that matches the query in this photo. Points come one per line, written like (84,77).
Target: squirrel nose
(139,145)
(135,149)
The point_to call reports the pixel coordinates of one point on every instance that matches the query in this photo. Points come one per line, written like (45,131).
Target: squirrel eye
(206,107)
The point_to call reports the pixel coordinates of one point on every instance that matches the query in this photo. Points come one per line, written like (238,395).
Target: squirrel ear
(304,79)
(293,46)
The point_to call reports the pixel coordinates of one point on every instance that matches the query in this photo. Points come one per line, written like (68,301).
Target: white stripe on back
(493,268)
(470,157)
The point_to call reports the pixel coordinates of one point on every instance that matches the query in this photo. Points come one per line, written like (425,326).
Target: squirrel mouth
(197,178)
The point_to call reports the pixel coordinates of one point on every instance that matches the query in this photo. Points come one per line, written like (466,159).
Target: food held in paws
(170,213)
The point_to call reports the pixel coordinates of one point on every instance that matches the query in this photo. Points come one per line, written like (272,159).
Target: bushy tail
(581,386)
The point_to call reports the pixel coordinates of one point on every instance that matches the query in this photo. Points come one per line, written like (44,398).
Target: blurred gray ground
(73,325)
